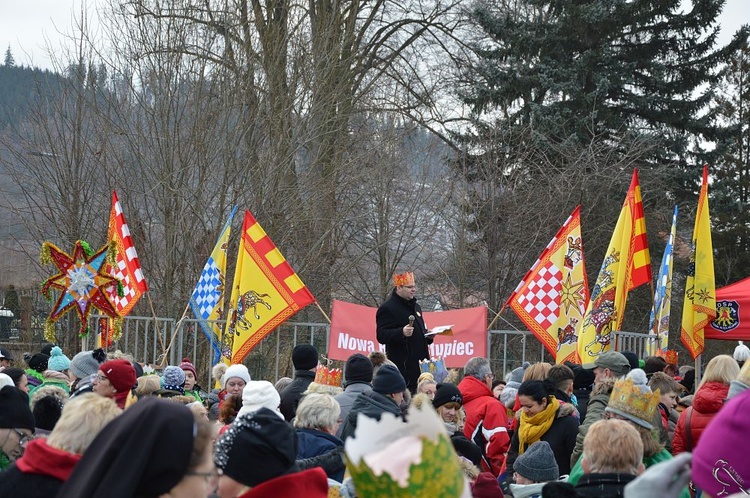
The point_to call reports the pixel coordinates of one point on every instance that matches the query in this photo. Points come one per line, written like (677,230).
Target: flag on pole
(553,294)
(626,266)
(699,308)
(265,292)
(207,300)
(127,268)
(658,340)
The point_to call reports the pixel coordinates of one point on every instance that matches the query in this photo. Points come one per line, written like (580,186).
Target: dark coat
(405,352)
(13,482)
(590,486)
(291,395)
(373,405)
(312,443)
(40,472)
(561,437)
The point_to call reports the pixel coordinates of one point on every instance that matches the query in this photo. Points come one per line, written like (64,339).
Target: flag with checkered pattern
(127,267)
(553,294)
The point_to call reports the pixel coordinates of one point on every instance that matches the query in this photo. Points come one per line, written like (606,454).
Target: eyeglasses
(100,378)
(210,477)
(23,438)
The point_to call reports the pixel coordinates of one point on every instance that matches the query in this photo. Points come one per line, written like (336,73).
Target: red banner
(353,330)
(732,322)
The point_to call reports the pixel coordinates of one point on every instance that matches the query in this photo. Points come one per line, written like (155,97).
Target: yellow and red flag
(551,298)
(265,292)
(626,266)
(699,307)
(127,268)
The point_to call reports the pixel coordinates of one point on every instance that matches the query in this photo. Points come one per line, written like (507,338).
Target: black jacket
(373,405)
(291,395)
(561,437)
(13,482)
(405,352)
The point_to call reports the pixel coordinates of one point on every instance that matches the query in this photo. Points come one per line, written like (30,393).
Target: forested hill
(20,88)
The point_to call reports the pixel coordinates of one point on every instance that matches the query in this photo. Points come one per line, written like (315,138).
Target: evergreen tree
(9,60)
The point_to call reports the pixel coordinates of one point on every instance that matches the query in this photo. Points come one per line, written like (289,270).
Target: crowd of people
(98,425)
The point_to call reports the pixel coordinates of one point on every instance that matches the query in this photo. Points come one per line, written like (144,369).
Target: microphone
(411,320)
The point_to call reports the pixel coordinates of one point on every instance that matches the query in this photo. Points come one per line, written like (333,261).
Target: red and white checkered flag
(128,268)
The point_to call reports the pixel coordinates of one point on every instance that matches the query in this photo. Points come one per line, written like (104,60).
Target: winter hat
(741,353)
(86,363)
(358,368)
(721,468)
(38,362)
(516,375)
(508,396)
(5,380)
(639,378)
(47,411)
(304,357)
(47,349)
(173,378)
(58,361)
(5,354)
(14,409)
(632,359)
(187,365)
(537,463)
(388,380)
(447,393)
(486,486)
(120,374)
(259,394)
(237,370)
(257,447)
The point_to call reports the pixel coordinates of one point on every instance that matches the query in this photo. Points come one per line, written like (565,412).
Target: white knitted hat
(239,371)
(741,352)
(259,394)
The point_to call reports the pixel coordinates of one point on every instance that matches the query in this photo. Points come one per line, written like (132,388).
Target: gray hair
(478,367)
(317,411)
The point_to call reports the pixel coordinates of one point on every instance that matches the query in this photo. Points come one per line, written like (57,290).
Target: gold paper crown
(670,356)
(628,400)
(328,376)
(406,278)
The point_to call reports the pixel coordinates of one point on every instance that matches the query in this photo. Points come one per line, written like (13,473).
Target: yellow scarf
(533,427)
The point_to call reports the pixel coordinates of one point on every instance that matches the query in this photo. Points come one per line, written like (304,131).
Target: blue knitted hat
(57,360)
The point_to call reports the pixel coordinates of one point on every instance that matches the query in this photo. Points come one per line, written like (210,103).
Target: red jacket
(311,483)
(486,423)
(707,402)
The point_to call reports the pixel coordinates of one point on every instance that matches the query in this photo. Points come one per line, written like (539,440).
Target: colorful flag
(265,292)
(659,322)
(207,300)
(699,308)
(553,294)
(127,267)
(626,266)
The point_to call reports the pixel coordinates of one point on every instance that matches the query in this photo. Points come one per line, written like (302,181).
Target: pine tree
(9,60)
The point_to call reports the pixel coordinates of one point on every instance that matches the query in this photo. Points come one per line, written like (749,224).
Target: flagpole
(156,320)
(324,313)
(174,334)
(489,327)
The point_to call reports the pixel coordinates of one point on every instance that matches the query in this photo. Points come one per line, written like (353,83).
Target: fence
(146,338)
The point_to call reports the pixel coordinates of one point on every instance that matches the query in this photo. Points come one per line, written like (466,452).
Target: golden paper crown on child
(328,376)
(629,401)
(406,278)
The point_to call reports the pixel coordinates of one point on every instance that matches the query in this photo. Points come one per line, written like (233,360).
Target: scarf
(535,426)
(41,458)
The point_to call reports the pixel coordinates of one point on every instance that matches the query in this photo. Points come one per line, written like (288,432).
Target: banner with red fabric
(732,322)
(353,330)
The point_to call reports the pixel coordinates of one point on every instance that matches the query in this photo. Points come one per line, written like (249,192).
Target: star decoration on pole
(82,284)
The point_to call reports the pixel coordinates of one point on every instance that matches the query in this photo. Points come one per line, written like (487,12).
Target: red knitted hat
(120,373)
(486,486)
(187,365)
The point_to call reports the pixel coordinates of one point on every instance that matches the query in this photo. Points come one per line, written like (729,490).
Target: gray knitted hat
(87,363)
(537,463)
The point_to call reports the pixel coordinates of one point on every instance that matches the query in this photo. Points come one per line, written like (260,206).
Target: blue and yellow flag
(207,300)
(658,339)
(265,292)
(699,308)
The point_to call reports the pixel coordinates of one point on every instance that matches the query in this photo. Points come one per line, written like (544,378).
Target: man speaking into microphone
(402,330)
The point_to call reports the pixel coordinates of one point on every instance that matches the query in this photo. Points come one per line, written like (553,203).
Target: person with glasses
(16,424)
(115,379)
(401,328)
(486,418)
(48,462)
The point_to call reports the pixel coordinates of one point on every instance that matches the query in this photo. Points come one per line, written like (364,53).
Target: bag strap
(689,433)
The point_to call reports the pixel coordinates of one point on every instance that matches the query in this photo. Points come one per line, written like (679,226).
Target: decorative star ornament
(81,281)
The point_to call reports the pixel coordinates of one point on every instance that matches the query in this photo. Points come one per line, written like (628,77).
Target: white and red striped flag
(127,268)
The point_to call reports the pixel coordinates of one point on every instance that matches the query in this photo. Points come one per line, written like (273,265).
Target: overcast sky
(29,26)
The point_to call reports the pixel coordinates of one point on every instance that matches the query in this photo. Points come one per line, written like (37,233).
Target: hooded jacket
(373,405)
(486,423)
(707,402)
